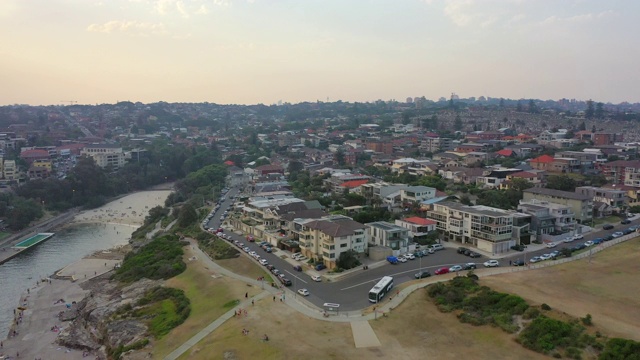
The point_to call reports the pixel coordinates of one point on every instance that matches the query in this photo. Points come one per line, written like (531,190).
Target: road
(351,291)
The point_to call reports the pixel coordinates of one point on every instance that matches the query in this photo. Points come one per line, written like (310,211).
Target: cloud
(130,27)
(458,11)
(576,19)
(202,10)
(182,9)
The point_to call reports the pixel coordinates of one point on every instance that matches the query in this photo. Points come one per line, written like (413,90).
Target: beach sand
(35,337)
(129,210)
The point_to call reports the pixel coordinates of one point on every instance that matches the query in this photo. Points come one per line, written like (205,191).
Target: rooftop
(557,193)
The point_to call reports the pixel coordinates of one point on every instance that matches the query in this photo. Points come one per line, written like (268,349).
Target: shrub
(544,334)
(587,320)
(545,307)
(159,259)
(619,349)
(531,313)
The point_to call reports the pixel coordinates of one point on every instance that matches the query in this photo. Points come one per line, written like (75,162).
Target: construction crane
(71,102)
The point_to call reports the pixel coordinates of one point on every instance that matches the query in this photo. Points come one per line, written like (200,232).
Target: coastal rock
(97,323)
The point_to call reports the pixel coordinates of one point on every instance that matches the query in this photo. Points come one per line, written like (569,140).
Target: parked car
(444,270)
(491,263)
(285,282)
(402,259)
(316,278)
(303,292)
(410,257)
(607,226)
(535,259)
(455,268)
(437,247)
(462,250)
(625,221)
(617,234)
(588,243)
(422,274)
(551,245)
(578,237)
(518,262)
(597,241)
(320,267)
(270,267)
(568,239)
(275,271)
(392,259)
(474,255)
(264,262)
(297,268)
(545,257)
(469,266)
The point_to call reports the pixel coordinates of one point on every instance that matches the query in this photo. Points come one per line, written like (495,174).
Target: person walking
(246,295)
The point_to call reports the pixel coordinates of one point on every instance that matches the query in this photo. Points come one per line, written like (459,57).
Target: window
(343,245)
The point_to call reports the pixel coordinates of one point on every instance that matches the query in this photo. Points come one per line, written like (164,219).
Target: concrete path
(363,335)
(211,327)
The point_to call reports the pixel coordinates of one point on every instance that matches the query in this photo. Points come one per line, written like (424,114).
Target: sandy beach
(128,210)
(38,324)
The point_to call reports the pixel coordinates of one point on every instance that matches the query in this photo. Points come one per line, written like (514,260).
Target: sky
(265,51)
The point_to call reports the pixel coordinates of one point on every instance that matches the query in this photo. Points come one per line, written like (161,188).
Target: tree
(519,107)
(339,157)
(457,124)
(561,182)
(590,113)
(347,260)
(533,108)
(599,113)
(187,215)
(582,127)
(519,184)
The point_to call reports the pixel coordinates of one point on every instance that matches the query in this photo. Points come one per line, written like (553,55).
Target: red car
(444,270)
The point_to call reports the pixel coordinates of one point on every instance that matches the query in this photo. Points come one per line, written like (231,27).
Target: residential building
(385,147)
(334,182)
(616,172)
(417,193)
(105,155)
(265,170)
(535,177)
(563,217)
(581,205)
(475,157)
(10,171)
(489,229)
(419,228)
(326,238)
(382,233)
(555,164)
(611,197)
(601,138)
(436,144)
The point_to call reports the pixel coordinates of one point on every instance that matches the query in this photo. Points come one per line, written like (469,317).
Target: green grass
(4,235)
(606,220)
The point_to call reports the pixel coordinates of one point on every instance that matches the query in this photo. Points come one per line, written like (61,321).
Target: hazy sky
(262,51)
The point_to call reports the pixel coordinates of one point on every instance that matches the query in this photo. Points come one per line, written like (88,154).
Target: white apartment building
(489,229)
(9,170)
(382,233)
(326,238)
(105,155)
(564,219)
(418,227)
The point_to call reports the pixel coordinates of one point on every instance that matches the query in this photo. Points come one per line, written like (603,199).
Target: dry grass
(607,288)
(242,265)
(208,295)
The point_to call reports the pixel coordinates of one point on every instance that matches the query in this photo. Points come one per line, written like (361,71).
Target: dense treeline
(159,259)
(89,186)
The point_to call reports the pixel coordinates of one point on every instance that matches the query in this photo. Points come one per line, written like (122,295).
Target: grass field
(607,288)
(606,220)
(209,297)
(245,266)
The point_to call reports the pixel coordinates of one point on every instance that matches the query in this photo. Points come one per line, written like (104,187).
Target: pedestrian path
(363,335)
(211,327)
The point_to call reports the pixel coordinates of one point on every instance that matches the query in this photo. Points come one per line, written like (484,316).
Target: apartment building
(489,229)
(625,172)
(555,164)
(105,155)
(581,205)
(9,170)
(334,182)
(419,228)
(417,193)
(395,237)
(617,199)
(326,238)
(562,217)
(436,144)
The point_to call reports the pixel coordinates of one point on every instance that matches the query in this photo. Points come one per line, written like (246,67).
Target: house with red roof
(353,184)
(535,177)
(555,164)
(505,153)
(419,228)
(35,154)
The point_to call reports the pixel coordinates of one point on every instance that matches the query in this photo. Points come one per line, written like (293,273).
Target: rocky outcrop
(97,326)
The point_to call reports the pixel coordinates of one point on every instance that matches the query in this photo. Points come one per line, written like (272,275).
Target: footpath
(363,334)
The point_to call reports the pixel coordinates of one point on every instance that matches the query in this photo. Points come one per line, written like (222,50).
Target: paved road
(351,291)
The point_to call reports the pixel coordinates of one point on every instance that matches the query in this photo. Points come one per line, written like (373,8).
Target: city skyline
(257,51)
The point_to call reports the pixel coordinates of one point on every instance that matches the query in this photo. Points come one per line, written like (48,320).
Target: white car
(316,278)
(410,257)
(247,249)
(303,292)
(546,257)
(402,259)
(296,256)
(455,268)
(578,237)
(551,245)
(263,262)
(252,253)
(588,243)
(535,259)
(617,234)
(491,263)
(568,239)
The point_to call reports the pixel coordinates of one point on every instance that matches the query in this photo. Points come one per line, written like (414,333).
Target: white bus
(380,289)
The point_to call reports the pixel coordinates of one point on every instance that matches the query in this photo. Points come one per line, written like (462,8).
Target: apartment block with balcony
(436,144)
(105,155)
(417,193)
(563,217)
(382,233)
(581,205)
(489,229)
(419,228)
(326,238)
(611,197)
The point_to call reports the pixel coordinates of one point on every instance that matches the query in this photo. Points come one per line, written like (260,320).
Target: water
(68,245)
